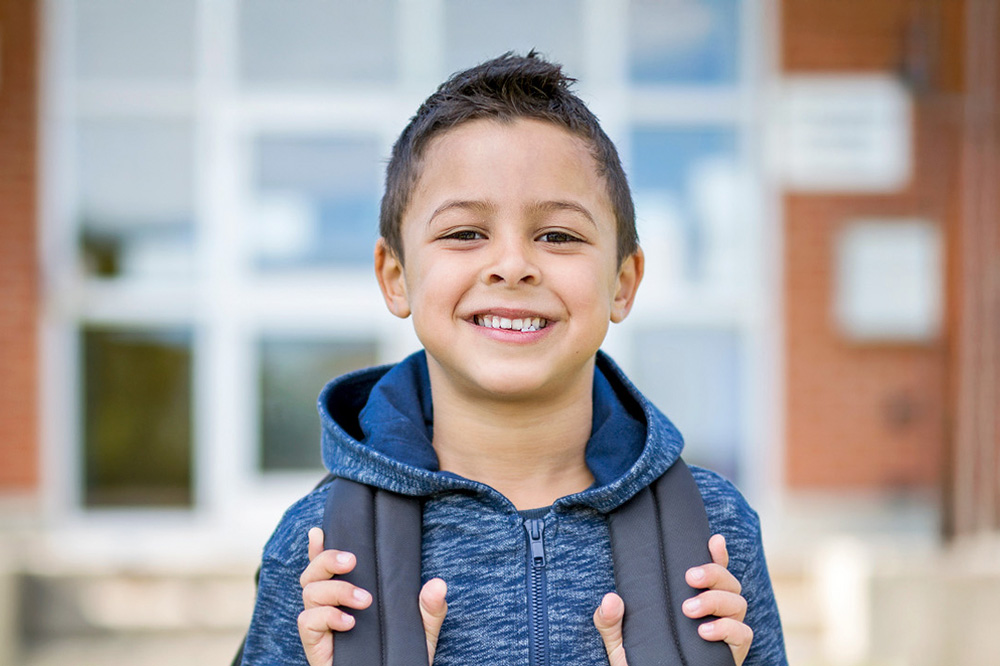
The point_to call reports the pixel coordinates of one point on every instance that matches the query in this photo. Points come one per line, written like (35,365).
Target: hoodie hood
(377,428)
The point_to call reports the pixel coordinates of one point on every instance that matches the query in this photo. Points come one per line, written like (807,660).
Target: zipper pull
(535,526)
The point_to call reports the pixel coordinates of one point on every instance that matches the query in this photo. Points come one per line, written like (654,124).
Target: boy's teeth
(524,324)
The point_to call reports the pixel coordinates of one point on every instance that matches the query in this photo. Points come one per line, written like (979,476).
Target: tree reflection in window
(137,414)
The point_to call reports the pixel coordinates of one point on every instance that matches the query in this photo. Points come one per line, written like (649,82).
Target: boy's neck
(532,451)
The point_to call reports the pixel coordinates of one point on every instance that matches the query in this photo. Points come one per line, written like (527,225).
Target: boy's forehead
(468,130)
(479,154)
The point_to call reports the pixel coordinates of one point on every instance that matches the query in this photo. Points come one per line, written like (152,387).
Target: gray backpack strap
(655,538)
(383,531)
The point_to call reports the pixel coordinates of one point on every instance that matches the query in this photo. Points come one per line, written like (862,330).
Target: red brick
(19,446)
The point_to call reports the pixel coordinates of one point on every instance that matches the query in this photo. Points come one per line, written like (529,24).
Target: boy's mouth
(523,324)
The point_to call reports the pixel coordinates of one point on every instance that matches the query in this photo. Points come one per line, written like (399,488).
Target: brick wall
(18,255)
(869,415)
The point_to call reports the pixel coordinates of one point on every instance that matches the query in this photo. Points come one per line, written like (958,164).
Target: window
(477,30)
(136,197)
(684,42)
(694,375)
(686,185)
(212,182)
(292,372)
(316,43)
(137,417)
(316,201)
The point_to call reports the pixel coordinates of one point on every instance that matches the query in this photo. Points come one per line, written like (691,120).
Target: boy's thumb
(433,609)
(608,620)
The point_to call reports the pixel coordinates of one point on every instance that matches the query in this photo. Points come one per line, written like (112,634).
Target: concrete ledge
(133,602)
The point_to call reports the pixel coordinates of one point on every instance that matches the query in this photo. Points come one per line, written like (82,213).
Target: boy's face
(509,225)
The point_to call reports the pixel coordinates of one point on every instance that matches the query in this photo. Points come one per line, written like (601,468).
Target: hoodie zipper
(538,628)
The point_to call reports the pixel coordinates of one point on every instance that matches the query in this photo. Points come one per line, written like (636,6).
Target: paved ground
(216,649)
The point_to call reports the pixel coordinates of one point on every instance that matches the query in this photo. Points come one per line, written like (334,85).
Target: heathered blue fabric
(377,429)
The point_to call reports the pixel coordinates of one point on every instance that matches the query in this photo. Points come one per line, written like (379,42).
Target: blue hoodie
(377,429)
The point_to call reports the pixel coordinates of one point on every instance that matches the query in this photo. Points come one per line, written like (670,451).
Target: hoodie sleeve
(273,637)
(729,514)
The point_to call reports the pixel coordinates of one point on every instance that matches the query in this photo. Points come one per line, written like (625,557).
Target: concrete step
(135,602)
(140,618)
(136,649)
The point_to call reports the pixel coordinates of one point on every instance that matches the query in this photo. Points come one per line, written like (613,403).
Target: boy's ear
(391,279)
(629,277)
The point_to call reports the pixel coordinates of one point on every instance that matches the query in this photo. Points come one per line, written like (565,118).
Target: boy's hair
(503,89)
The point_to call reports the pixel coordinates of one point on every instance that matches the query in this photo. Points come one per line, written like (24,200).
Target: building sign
(844,133)
(889,281)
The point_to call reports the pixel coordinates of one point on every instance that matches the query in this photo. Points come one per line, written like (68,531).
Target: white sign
(889,281)
(844,133)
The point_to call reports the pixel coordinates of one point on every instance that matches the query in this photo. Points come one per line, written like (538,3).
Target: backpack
(655,538)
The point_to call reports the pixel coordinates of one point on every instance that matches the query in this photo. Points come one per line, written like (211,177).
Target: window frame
(228,307)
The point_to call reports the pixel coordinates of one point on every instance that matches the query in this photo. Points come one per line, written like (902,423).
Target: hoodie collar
(378,428)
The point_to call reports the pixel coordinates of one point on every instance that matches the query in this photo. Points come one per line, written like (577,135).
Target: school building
(188,201)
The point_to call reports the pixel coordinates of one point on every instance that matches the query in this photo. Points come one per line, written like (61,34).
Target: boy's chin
(522,384)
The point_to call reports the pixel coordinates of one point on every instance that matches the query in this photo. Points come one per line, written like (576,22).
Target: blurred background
(188,203)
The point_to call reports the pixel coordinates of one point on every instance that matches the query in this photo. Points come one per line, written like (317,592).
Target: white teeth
(525,324)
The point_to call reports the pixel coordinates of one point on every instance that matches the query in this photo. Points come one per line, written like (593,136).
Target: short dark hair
(504,89)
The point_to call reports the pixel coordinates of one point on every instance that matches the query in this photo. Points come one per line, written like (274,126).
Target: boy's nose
(512,264)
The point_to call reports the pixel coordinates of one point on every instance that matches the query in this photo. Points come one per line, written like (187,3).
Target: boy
(508,233)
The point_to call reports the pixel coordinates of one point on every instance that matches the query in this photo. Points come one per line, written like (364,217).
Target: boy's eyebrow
(476,206)
(482,206)
(551,206)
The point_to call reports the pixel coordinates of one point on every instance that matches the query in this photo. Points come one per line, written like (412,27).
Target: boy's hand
(323,598)
(720,598)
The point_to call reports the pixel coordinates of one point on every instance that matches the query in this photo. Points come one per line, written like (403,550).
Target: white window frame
(229,308)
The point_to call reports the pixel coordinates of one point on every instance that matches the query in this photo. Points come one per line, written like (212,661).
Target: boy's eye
(464,235)
(558,237)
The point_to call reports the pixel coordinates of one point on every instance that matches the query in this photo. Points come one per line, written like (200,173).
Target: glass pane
(687,187)
(292,373)
(136,181)
(124,39)
(684,41)
(317,201)
(477,30)
(307,42)
(137,414)
(694,377)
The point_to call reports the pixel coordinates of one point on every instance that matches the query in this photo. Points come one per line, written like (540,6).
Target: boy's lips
(525,323)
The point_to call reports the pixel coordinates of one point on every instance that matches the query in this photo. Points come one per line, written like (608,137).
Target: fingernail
(344,558)
(360,595)
(707,629)
(348,620)
(692,606)
(697,574)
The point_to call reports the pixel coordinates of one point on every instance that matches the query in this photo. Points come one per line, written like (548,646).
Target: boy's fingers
(315,542)
(717,603)
(316,627)
(712,577)
(736,635)
(326,565)
(335,593)
(433,609)
(717,547)
(608,620)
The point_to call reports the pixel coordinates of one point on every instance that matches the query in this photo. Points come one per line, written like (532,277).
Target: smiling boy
(508,235)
